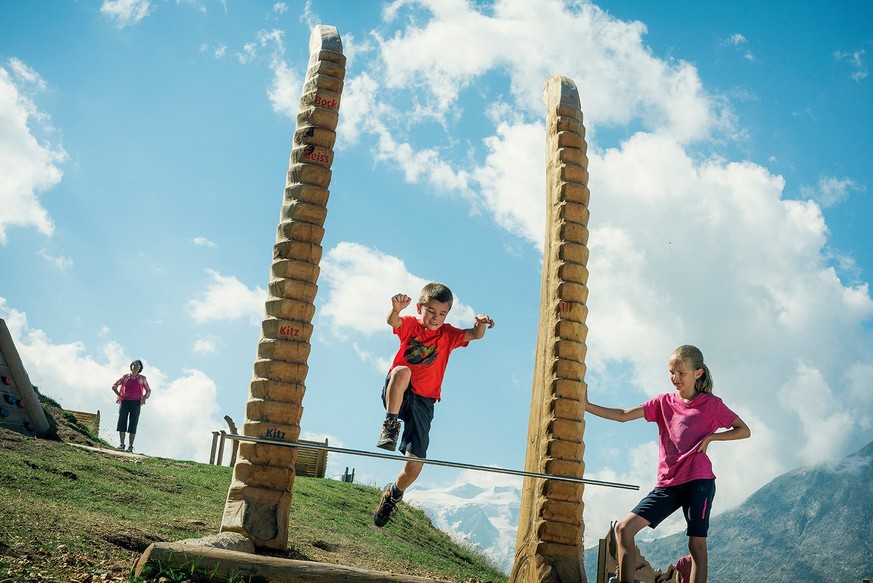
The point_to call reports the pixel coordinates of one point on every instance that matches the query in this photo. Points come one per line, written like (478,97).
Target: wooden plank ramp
(222,565)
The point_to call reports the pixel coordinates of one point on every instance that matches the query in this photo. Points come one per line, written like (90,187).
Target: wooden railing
(311,463)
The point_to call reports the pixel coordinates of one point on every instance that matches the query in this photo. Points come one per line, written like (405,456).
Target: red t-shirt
(426,353)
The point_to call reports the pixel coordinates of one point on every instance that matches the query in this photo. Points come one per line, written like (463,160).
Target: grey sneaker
(121,447)
(386,507)
(388,437)
(130,449)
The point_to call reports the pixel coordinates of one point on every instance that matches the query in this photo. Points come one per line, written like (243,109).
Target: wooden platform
(89,420)
(311,462)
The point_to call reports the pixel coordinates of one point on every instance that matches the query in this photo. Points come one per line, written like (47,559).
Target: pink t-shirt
(132,388)
(681,428)
(426,353)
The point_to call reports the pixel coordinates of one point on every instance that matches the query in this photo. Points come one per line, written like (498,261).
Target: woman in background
(132,390)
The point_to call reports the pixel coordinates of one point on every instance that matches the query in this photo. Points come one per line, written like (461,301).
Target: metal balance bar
(430,461)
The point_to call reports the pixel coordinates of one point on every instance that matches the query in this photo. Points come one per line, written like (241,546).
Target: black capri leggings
(128,416)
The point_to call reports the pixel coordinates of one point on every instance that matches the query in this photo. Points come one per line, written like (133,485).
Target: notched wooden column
(550,528)
(259,497)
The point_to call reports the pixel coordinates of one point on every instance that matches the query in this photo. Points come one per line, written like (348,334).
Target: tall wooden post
(259,496)
(550,528)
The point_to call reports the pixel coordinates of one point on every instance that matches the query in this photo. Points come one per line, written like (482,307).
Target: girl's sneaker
(121,447)
(130,449)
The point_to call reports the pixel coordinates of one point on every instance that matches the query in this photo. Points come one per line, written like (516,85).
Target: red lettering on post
(331,103)
(286,330)
(311,155)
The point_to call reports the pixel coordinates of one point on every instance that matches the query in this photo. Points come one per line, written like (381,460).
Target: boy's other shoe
(386,507)
(388,437)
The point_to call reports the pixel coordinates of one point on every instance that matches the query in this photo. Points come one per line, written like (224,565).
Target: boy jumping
(413,384)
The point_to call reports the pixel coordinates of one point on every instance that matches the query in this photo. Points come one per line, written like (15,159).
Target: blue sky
(143,150)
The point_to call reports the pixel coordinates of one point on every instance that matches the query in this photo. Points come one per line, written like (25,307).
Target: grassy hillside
(73,514)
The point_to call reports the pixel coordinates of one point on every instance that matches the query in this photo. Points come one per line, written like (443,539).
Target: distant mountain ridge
(810,525)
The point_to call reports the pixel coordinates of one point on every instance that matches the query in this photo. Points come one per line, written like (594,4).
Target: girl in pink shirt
(688,420)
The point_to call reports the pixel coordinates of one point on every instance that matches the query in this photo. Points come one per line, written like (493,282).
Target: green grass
(71,514)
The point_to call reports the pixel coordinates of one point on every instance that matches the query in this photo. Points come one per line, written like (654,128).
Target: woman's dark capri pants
(128,415)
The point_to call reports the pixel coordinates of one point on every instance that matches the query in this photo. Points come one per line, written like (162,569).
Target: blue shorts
(694,498)
(416,412)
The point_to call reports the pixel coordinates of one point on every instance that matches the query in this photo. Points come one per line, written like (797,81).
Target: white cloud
(204,242)
(528,42)
(60,262)
(458,45)
(227,298)
(740,43)
(247,54)
(360,111)
(426,165)
(179,417)
(286,85)
(206,345)
(126,12)
(826,424)
(856,61)
(512,180)
(28,165)
(378,362)
(356,277)
(284,93)
(832,190)
(859,379)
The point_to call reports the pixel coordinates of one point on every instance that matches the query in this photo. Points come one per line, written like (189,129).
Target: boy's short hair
(436,291)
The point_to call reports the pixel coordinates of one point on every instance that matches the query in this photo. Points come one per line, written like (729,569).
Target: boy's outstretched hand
(400,301)
(483,319)
(482,323)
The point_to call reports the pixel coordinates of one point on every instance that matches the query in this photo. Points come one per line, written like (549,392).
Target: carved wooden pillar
(259,496)
(550,528)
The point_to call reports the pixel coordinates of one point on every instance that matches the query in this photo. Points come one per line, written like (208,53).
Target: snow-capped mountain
(481,512)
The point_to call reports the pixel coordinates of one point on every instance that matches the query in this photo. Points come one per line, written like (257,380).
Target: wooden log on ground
(222,565)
